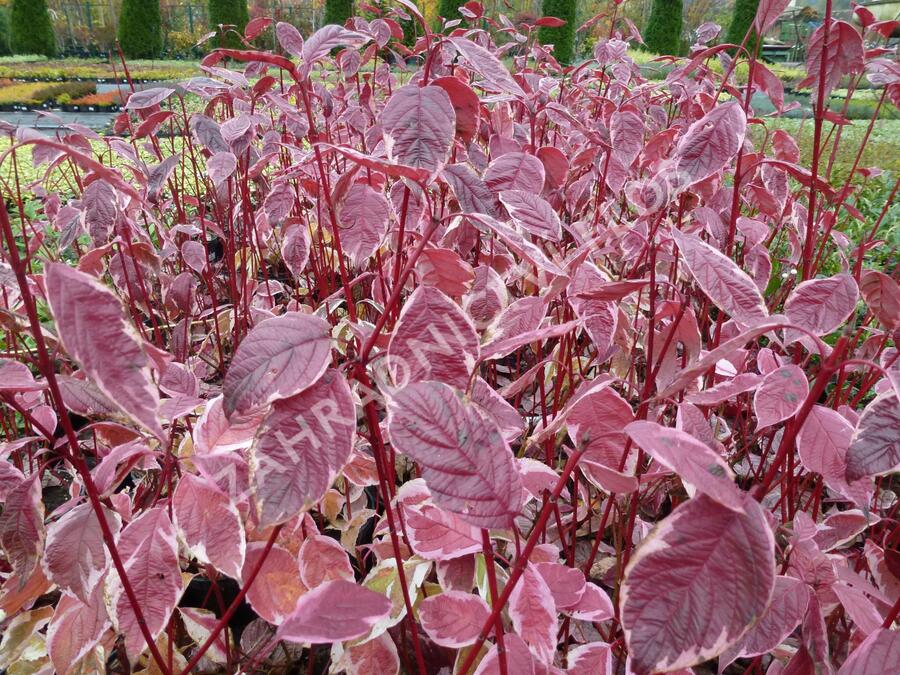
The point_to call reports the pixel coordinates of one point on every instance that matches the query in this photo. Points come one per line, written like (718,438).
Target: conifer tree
(563,37)
(30,29)
(140,29)
(229,13)
(663,32)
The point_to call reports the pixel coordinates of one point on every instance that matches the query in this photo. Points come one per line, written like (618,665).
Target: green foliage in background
(449,9)
(663,31)
(4,31)
(744,13)
(229,12)
(30,29)
(562,38)
(140,33)
(338,11)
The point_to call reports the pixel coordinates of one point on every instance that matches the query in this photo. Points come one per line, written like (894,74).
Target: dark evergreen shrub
(30,29)
(140,32)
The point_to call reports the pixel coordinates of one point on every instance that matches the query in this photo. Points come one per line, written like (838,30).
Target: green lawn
(882,150)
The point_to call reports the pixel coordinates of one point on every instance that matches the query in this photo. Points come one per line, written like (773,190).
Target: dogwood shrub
(466,364)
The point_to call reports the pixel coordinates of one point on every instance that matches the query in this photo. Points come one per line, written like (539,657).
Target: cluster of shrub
(26,28)
(80,95)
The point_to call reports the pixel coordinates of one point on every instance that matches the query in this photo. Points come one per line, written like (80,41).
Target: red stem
(46,368)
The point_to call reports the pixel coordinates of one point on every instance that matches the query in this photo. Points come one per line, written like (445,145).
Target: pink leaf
(593,658)
(844,55)
(433,340)
(782,616)
(673,610)
(147,98)
(379,164)
(113,468)
(515,171)
(780,395)
(15,376)
(215,432)
(518,658)
(692,420)
(859,608)
(11,477)
(327,38)
(453,618)
(467,465)
(444,269)
(466,105)
(522,316)
(609,291)
(822,446)
(194,255)
(255,27)
(875,446)
(786,148)
(280,357)
(75,556)
(709,143)
(209,524)
(876,652)
(220,166)
(89,319)
(419,125)
(363,222)
(289,38)
(199,624)
(323,559)
(533,614)
(470,191)
(691,459)
(295,249)
(882,295)
(378,655)
(767,13)
(457,574)
(99,211)
(84,398)
(626,131)
(488,66)
(532,214)
(149,552)
(277,587)
(724,350)
(725,390)
(435,534)
(279,202)
(336,610)
(593,606)
(727,285)
(550,22)
(22,526)
(597,421)
(556,166)
(821,305)
(842,527)
(487,297)
(769,83)
(301,447)
(519,244)
(566,584)
(492,404)
(76,628)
